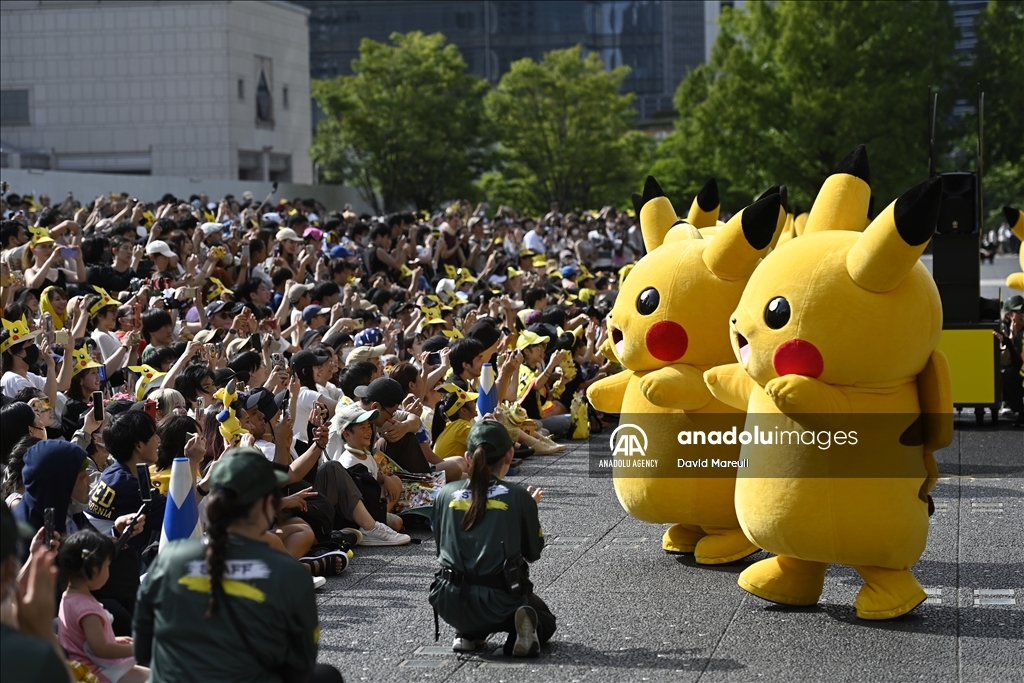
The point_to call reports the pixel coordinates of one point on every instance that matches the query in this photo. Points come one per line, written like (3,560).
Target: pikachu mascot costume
(669,324)
(837,330)
(1015,219)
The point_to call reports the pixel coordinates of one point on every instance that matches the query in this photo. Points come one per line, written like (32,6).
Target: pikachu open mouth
(617,339)
(744,347)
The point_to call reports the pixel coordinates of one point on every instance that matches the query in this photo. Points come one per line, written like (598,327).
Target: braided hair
(222,511)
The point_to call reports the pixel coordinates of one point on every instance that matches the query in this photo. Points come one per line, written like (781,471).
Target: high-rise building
(185,88)
(660,40)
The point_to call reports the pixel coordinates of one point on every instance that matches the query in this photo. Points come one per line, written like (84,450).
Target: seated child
(460,407)
(86,630)
(356,426)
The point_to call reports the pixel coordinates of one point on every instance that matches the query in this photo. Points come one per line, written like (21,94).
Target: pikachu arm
(730,384)
(677,386)
(810,402)
(935,393)
(606,395)
(1016,281)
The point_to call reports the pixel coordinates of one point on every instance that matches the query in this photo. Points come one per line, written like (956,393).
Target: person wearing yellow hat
(535,379)
(85,380)
(453,418)
(45,262)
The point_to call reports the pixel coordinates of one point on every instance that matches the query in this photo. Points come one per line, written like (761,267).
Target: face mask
(32,355)
(75,507)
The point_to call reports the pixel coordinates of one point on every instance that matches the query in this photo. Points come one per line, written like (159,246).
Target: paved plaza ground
(627,611)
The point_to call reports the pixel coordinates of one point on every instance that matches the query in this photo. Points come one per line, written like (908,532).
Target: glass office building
(658,39)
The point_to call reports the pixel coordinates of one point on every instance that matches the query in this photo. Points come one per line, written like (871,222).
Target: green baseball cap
(11,532)
(493,436)
(1014,303)
(248,473)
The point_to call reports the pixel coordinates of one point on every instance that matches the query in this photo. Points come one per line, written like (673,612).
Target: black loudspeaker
(956,247)
(959,212)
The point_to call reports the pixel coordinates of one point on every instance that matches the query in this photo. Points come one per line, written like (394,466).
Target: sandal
(326,564)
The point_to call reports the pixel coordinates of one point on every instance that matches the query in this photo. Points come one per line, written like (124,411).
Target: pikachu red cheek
(667,341)
(798,357)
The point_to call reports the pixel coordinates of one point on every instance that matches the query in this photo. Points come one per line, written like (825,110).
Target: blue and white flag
(487,399)
(181,517)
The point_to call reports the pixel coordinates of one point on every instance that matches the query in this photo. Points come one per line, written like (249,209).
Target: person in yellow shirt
(457,408)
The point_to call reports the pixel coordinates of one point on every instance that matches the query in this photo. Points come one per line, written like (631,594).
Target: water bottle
(487,400)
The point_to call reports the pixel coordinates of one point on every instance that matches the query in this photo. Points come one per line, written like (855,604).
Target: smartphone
(358,323)
(48,514)
(186,294)
(245,252)
(69,252)
(278,362)
(149,407)
(61,338)
(97,405)
(145,486)
(200,404)
(434,358)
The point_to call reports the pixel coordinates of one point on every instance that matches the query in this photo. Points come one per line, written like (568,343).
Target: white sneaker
(463,644)
(319,582)
(382,534)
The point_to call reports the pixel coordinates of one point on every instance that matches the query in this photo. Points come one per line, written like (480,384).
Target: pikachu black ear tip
(856,164)
(784,198)
(917,211)
(759,220)
(774,189)
(652,189)
(1010,214)
(638,203)
(707,198)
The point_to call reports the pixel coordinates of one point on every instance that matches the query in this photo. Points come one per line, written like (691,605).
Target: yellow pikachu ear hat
(83,361)
(218,290)
(40,236)
(1015,219)
(104,301)
(147,376)
(462,398)
(17,333)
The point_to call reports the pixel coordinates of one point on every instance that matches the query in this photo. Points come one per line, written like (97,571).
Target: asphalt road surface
(627,611)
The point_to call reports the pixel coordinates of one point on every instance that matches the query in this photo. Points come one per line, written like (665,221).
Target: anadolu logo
(628,441)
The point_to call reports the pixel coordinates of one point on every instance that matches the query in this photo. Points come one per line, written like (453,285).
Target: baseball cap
(287,234)
(159,247)
(221,306)
(528,339)
(436,343)
(310,336)
(11,532)
(340,252)
(383,390)
(205,336)
(210,228)
(494,438)
(313,310)
(568,272)
(485,333)
(398,307)
(221,376)
(295,292)
(365,353)
(306,359)
(353,413)
(313,233)
(262,399)
(1014,303)
(248,474)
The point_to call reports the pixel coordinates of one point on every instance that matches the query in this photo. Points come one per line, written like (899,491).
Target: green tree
(998,66)
(792,87)
(565,134)
(407,125)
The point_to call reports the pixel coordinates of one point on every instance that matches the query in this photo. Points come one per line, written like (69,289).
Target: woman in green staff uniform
(231,608)
(487,530)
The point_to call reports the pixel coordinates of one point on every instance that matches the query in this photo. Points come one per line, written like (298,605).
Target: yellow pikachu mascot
(1015,219)
(669,324)
(837,330)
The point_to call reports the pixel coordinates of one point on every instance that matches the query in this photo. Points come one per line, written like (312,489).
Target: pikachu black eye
(648,301)
(777,312)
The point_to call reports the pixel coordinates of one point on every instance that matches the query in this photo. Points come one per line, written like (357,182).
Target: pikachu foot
(681,539)
(723,545)
(785,580)
(887,593)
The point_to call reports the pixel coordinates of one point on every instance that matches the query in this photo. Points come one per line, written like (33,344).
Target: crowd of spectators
(348,350)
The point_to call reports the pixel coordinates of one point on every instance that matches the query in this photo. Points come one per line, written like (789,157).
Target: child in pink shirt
(85,627)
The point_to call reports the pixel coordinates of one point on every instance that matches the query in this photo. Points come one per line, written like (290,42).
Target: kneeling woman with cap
(487,530)
(257,602)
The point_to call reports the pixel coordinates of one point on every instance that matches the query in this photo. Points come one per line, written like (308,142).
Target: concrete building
(214,90)
(660,40)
